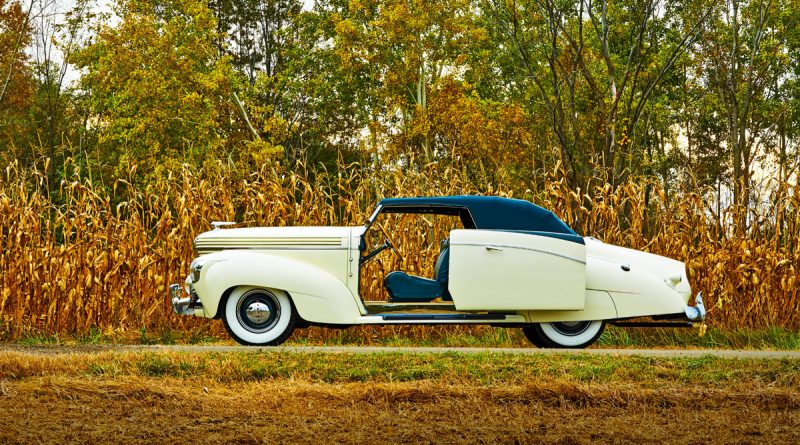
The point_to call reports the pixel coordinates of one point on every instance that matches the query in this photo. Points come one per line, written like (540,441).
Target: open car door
(501,270)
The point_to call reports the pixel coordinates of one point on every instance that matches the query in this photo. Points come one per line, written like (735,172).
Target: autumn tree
(16,80)
(306,101)
(593,66)
(295,94)
(255,33)
(402,49)
(694,94)
(745,60)
(489,140)
(157,88)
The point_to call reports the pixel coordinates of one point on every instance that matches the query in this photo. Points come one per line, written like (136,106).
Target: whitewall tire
(259,316)
(574,334)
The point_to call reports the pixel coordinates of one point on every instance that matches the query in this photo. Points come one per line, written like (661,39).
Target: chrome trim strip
(378,319)
(216,225)
(209,249)
(290,239)
(417,309)
(338,243)
(373,216)
(443,317)
(215,244)
(259,243)
(495,246)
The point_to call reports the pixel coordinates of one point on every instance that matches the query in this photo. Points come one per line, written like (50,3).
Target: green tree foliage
(309,106)
(16,78)
(296,92)
(745,66)
(691,93)
(593,67)
(156,86)
(401,50)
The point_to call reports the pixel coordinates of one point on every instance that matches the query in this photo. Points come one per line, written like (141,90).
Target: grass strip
(483,369)
(452,336)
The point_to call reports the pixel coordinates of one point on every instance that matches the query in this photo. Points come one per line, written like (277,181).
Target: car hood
(273,238)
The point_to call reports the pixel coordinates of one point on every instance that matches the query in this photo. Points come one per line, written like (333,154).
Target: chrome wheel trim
(258,311)
(238,329)
(571,328)
(579,334)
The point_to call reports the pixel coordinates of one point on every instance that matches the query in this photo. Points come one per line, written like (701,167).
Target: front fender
(318,295)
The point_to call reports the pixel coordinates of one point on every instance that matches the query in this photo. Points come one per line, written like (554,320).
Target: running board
(381,307)
(651,324)
(443,317)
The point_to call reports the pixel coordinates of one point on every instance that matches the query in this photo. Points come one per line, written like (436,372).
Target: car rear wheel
(565,334)
(256,316)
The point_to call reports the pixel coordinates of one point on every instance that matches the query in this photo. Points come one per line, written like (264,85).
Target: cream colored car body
(528,277)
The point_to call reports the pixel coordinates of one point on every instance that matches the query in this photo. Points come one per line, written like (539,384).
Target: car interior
(405,287)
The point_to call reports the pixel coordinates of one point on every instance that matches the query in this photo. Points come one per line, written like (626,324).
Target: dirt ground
(166,410)
(103,396)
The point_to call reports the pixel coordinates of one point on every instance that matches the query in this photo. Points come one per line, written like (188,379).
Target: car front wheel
(256,316)
(565,334)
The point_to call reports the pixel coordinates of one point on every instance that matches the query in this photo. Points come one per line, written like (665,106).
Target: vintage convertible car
(512,264)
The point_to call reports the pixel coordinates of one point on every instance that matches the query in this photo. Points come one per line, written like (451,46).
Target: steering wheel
(387,244)
(387,240)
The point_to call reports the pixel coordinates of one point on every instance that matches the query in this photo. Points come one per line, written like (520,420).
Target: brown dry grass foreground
(283,397)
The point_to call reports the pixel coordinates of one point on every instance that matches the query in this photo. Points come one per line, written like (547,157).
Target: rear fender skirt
(599,306)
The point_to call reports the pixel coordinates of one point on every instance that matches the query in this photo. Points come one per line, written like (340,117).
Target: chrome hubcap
(571,328)
(258,312)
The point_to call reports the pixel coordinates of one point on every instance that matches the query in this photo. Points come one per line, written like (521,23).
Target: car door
(501,270)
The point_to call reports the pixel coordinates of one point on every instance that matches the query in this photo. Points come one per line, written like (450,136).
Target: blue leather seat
(403,287)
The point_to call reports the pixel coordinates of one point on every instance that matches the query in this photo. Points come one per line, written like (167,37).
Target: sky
(47,18)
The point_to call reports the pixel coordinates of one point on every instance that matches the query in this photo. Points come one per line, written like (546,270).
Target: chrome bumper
(698,311)
(182,303)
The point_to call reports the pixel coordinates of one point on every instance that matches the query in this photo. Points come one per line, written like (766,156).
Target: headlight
(195,269)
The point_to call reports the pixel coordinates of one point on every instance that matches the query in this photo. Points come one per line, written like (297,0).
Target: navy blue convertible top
(484,212)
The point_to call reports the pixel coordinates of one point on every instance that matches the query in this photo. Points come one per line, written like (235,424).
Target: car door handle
(493,249)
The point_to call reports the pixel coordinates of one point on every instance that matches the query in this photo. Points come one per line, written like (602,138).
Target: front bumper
(183,303)
(698,311)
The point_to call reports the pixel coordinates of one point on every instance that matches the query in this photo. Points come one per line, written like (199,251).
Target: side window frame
(467,221)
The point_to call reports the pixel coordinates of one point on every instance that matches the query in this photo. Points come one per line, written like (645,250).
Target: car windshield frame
(462,212)
(373,217)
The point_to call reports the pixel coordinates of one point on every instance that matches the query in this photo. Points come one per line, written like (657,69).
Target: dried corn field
(100,256)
